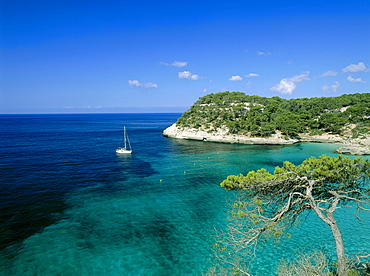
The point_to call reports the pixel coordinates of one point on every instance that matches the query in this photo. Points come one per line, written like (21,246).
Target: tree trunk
(339,246)
(330,220)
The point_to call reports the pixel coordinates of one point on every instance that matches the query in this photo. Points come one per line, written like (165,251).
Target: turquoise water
(72,206)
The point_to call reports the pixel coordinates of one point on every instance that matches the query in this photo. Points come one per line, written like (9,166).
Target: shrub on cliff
(261,116)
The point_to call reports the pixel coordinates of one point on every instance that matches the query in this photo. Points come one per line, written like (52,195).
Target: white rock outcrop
(352,146)
(354,150)
(222,136)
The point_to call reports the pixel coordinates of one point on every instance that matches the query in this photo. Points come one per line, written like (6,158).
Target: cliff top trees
(261,116)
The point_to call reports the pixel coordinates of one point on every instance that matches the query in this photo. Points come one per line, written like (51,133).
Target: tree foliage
(271,202)
(261,116)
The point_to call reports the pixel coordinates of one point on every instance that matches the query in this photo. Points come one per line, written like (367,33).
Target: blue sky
(161,56)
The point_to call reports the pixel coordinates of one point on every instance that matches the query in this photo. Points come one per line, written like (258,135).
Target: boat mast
(128,140)
(124,136)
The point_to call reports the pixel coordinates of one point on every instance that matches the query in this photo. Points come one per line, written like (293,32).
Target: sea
(69,205)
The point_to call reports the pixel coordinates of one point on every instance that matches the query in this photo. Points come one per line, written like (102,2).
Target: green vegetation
(269,204)
(261,116)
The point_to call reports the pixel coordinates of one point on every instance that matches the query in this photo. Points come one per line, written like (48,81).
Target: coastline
(350,146)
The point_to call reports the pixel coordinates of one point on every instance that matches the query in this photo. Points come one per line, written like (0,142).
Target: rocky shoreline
(350,146)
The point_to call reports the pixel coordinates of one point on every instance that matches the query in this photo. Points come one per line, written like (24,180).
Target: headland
(240,119)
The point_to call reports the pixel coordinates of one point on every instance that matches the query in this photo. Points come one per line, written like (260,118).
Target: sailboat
(127,146)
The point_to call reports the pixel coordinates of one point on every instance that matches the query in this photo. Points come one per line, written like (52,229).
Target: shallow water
(71,206)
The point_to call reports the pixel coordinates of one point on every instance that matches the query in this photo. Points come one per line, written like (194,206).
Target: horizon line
(103,110)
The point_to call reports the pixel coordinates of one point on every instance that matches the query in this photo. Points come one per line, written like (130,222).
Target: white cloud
(205,90)
(235,78)
(252,75)
(179,63)
(260,53)
(176,63)
(332,88)
(134,83)
(301,77)
(139,84)
(288,85)
(355,67)
(335,86)
(329,74)
(78,107)
(284,87)
(352,79)
(188,75)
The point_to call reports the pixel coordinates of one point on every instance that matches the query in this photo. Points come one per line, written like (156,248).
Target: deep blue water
(69,205)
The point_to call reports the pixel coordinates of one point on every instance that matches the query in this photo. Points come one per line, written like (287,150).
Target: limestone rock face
(354,150)
(222,136)
(353,146)
(325,138)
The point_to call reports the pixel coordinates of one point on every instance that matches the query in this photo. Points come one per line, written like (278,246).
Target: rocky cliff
(233,117)
(350,146)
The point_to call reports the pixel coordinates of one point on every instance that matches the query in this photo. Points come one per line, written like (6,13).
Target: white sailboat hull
(123,150)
